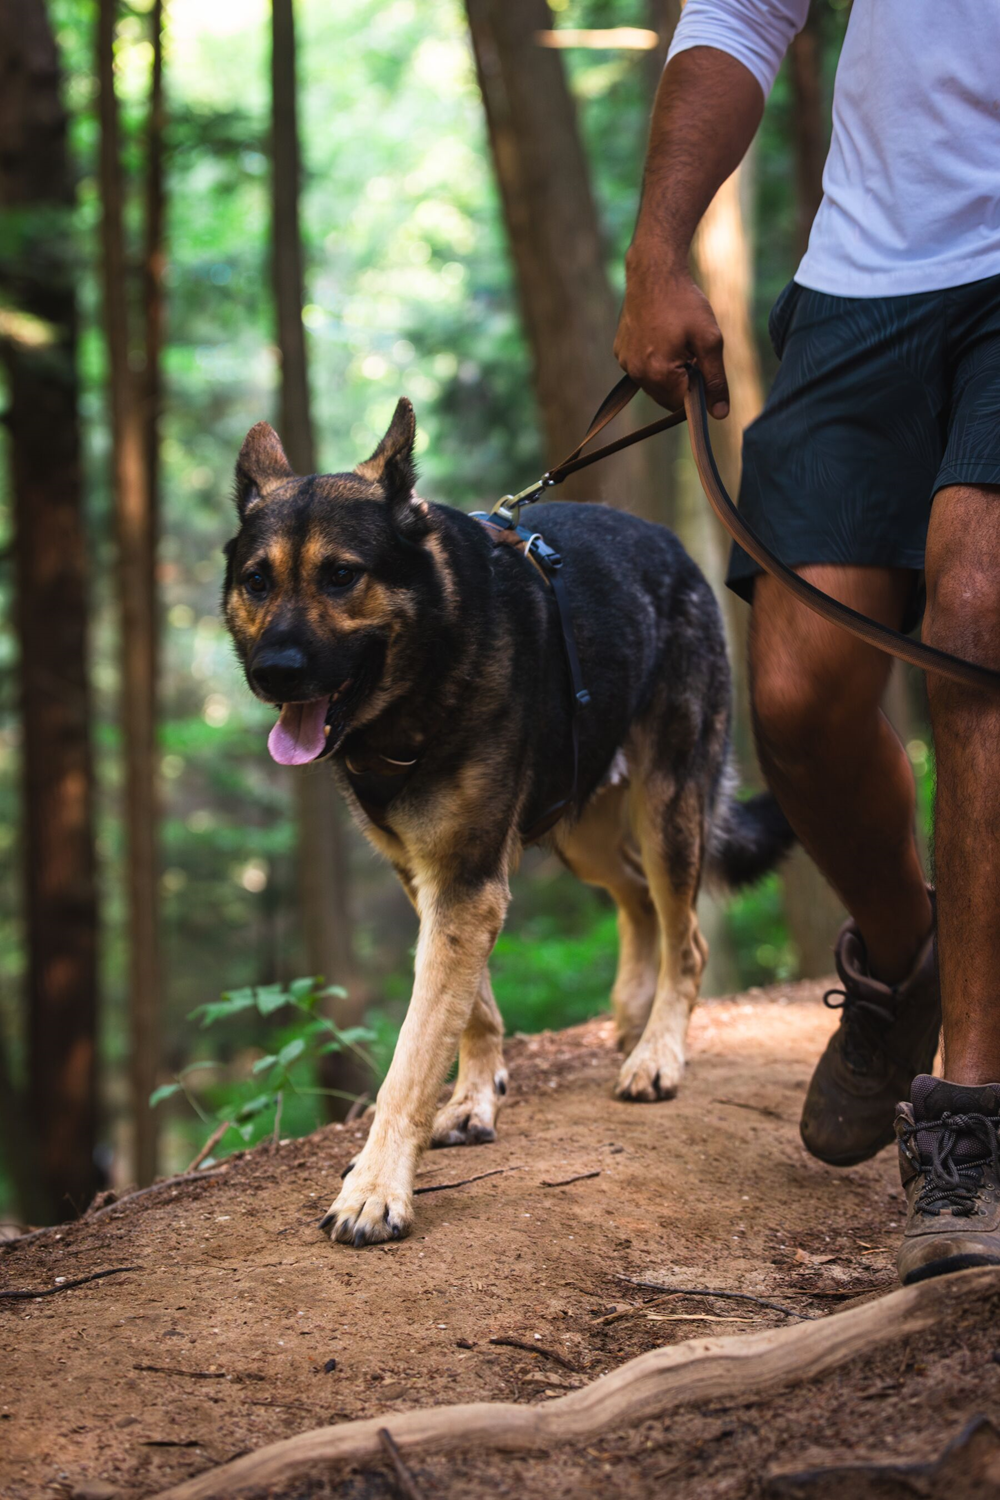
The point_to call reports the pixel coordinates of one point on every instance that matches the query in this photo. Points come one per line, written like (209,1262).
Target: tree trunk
(137,593)
(54,1155)
(567,303)
(809,124)
(322,852)
(154,260)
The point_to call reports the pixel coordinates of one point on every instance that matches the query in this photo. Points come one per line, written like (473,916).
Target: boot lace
(950,1184)
(864,1021)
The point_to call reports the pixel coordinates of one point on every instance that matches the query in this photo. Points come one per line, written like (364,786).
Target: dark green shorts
(879,403)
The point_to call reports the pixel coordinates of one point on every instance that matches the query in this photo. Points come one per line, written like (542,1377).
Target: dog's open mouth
(304,731)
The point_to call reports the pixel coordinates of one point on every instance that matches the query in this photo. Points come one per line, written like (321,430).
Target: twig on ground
(356,1110)
(407,1484)
(560,1359)
(180,1180)
(758,1109)
(190,1374)
(27,1294)
(848,1291)
(209,1145)
(442,1187)
(693,1291)
(580,1177)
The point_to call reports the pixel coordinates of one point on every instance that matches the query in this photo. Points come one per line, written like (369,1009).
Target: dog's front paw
(652,1071)
(368,1210)
(470,1116)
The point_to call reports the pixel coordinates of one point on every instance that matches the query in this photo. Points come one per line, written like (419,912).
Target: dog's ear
(392,467)
(261,467)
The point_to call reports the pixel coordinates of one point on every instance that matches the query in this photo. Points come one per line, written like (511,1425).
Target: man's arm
(708,107)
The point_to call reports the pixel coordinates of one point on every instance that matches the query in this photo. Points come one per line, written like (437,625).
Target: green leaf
(333,992)
(254,1107)
(231,1003)
(331,1047)
(263,1063)
(270,997)
(165,1091)
(302,989)
(351,1035)
(291,1050)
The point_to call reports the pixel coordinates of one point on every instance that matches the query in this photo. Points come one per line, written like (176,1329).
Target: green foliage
(289,1066)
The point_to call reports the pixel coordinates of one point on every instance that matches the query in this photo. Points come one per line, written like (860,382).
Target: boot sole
(855,1159)
(947,1265)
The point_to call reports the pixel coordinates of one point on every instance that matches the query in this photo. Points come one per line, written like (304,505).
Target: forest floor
(224,1334)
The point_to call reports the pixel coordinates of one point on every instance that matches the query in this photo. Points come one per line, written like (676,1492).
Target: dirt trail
(225,1336)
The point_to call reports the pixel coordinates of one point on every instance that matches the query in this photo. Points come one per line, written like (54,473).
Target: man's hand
(667,323)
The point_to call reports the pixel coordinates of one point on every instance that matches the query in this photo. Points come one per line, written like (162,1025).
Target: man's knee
(963,576)
(810,682)
(793,711)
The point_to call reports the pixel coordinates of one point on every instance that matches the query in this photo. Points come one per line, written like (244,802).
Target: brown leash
(695,412)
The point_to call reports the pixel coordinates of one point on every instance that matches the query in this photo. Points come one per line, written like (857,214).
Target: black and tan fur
(451,653)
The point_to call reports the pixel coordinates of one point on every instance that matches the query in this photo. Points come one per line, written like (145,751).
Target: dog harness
(377,779)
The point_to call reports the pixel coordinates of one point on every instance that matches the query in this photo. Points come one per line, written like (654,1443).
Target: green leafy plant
(290,1063)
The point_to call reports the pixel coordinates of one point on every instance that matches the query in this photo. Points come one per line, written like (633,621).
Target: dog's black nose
(277,671)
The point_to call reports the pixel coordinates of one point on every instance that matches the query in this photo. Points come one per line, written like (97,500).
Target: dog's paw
(367,1211)
(470,1117)
(652,1071)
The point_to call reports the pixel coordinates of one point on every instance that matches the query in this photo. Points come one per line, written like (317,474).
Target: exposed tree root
(696,1371)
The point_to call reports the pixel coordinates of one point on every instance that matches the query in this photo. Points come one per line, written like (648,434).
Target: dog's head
(322,581)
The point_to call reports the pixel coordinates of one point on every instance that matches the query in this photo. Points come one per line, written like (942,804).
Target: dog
(428,666)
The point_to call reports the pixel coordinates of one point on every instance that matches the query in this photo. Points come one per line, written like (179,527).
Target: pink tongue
(298,736)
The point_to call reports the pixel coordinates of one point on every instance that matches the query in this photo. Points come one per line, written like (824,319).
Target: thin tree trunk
(567,303)
(809,124)
(137,591)
(322,853)
(54,1153)
(154,260)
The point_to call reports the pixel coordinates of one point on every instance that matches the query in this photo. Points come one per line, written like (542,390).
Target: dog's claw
(651,1072)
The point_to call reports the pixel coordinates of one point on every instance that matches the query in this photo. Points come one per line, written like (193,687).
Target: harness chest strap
(504,532)
(377,779)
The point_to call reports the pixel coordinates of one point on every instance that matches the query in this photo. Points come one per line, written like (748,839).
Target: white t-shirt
(911,187)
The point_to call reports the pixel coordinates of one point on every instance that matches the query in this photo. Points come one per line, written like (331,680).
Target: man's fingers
(665,382)
(708,352)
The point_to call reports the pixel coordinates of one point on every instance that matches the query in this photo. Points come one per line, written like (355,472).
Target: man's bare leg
(834,761)
(963,617)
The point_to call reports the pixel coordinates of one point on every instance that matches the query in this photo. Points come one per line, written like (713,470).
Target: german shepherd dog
(428,666)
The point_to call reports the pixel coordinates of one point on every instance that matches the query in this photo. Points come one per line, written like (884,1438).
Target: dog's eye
(255,583)
(342,576)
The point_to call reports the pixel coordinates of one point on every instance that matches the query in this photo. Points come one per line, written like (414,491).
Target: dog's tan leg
(671,837)
(469,1118)
(600,851)
(457,932)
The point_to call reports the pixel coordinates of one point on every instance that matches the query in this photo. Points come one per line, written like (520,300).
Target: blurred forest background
(216,212)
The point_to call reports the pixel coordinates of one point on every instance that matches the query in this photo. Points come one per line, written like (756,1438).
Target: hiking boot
(949,1161)
(887,1034)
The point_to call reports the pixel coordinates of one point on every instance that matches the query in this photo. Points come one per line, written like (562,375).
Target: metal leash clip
(509,506)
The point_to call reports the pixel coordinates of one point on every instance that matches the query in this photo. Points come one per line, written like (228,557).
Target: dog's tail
(746,839)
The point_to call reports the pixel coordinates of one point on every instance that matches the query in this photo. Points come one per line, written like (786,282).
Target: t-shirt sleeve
(755,32)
